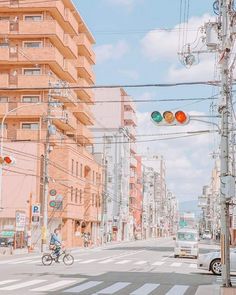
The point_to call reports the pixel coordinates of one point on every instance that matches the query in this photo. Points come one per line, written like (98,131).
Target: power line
(207,83)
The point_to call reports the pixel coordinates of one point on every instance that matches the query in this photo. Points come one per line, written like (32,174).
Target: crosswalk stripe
(145,289)
(53,286)
(83,287)
(19,262)
(18,259)
(88,261)
(22,285)
(106,261)
(123,262)
(176,264)
(158,263)
(7,282)
(193,265)
(113,288)
(32,262)
(140,262)
(177,290)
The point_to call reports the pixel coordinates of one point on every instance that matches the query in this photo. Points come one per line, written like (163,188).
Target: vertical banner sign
(35,213)
(20,221)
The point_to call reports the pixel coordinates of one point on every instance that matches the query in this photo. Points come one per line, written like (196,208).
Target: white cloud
(188,160)
(159,45)
(108,52)
(204,70)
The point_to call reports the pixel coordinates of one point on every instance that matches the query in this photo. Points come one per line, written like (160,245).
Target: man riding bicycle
(55,244)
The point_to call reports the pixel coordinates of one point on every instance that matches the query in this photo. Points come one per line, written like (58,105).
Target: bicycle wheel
(68,259)
(47,259)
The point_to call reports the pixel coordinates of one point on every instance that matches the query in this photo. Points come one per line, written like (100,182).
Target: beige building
(42,44)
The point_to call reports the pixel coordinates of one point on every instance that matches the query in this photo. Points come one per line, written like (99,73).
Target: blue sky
(129,53)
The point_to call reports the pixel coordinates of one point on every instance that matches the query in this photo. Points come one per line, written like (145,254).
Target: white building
(114,133)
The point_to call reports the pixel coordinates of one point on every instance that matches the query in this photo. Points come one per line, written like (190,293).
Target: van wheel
(216,267)
(176,256)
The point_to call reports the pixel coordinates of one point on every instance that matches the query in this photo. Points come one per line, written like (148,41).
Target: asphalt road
(134,268)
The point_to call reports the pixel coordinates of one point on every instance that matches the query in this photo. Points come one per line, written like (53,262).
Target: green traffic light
(156,117)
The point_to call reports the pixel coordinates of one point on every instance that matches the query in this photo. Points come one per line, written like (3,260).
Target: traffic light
(7,160)
(168,118)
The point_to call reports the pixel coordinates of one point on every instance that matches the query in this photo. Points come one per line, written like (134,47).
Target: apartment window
(96,200)
(31,72)
(3,99)
(34,18)
(80,196)
(81,170)
(77,169)
(99,201)
(76,195)
(71,193)
(30,99)
(32,126)
(4,126)
(72,166)
(33,44)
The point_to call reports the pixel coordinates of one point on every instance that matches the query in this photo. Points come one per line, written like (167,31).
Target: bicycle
(48,258)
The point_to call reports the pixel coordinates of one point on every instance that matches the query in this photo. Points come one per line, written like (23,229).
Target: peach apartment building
(46,43)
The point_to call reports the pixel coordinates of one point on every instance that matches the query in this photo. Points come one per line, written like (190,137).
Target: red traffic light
(169,118)
(181,117)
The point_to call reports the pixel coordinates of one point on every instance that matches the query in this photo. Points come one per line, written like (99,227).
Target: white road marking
(140,262)
(83,287)
(7,282)
(106,261)
(22,261)
(33,262)
(193,265)
(145,289)
(53,286)
(176,264)
(158,263)
(22,285)
(177,290)
(123,262)
(113,288)
(18,259)
(88,261)
(76,260)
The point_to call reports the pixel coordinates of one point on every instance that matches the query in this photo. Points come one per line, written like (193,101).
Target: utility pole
(104,195)
(46,176)
(224,110)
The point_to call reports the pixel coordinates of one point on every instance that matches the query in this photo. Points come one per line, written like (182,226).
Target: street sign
(35,219)
(20,221)
(52,204)
(36,210)
(52,192)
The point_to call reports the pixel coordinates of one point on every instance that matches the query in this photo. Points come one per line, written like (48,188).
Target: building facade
(46,44)
(115,133)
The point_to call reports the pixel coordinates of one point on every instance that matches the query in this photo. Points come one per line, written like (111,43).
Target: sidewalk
(228,291)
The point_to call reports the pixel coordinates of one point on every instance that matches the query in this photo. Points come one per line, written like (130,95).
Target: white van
(186,243)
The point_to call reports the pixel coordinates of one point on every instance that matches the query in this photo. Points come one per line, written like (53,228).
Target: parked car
(186,243)
(6,242)
(212,261)
(207,235)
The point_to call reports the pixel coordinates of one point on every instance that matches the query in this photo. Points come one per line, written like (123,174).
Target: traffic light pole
(224,110)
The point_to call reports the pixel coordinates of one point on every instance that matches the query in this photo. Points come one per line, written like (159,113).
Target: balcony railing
(44,55)
(84,135)
(57,8)
(85,94)
(83,113)
(85,69)
(130,117)
(85,47)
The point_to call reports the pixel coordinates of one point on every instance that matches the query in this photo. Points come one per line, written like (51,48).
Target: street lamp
(1,148)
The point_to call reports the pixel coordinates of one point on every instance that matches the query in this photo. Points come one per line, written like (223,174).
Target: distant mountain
(189,206)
